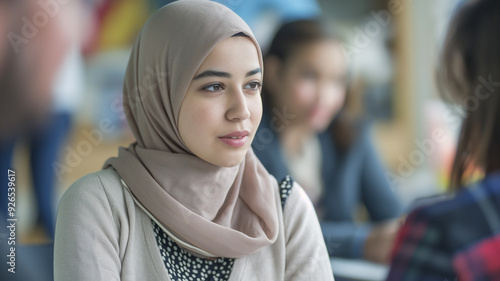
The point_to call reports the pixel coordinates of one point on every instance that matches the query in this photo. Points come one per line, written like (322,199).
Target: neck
(294,136)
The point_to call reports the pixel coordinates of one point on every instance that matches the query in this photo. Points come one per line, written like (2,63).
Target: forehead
(234,53)
(325,54)
(318,49)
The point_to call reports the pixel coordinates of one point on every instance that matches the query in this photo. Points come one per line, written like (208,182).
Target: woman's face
(311,84)
(222,107)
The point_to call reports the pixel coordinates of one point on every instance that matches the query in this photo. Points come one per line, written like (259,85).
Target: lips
(235,139)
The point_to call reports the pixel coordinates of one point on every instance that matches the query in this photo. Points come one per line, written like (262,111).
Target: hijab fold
(226,212)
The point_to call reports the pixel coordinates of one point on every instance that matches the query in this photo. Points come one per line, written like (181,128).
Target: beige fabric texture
(102,235)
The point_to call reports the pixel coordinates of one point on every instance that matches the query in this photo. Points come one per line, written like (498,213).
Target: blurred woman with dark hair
(305,132)
(459,238)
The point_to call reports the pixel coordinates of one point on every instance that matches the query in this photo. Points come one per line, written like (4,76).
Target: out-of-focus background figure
(41,80)
(49,51)
(312,137)
(458,237)
(60,94)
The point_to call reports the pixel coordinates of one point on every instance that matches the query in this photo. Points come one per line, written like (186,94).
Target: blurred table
(359,270)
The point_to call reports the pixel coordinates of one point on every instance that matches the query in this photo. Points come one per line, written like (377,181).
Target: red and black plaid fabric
(455,239)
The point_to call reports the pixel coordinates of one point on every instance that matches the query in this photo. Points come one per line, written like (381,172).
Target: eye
(254,85)
(217,87)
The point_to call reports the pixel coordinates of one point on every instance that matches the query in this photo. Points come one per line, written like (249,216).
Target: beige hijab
(225,212)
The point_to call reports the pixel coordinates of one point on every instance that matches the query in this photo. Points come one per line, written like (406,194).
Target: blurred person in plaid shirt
(459,238)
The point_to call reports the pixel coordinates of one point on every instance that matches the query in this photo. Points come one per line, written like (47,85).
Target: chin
(230,160)
(229,163)
(320,124)
(318,127)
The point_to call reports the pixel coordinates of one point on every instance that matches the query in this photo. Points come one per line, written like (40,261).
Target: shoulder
(98,182)
(464,201)
(96,190)
(436,208)
(285,188)
(290,190)
(441,228)
(470,213)
(427,221)
(294,200)
(451,213)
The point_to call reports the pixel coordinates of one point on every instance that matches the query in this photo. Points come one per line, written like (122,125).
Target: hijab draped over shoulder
(226,212)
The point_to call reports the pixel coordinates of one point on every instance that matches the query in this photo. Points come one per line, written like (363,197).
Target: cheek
(205,118)
(198,121)
(335,100)
(201,115)
(304,92)
(255,108)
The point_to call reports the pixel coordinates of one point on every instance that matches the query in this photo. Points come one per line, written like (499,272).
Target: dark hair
(470,58)
(296,33)
(289,39)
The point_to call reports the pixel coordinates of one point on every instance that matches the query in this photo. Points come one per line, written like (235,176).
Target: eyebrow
(253,72)
(209,73)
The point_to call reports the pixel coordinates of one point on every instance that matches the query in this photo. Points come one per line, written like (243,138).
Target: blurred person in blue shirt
(307,133)
(41,78)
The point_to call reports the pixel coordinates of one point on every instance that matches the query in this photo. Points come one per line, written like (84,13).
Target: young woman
(459,238)
(304,134)
(189,200)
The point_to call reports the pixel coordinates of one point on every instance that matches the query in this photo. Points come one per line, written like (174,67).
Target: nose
(237,109)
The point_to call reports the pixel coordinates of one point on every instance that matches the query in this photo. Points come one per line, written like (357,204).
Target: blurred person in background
(41,82)
(265,16)
(458,238)
(23,103)
(306,133)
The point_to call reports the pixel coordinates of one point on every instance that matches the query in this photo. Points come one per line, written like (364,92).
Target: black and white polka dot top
(183,266)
